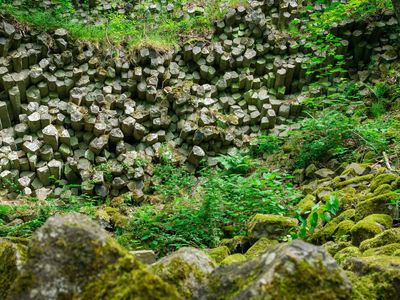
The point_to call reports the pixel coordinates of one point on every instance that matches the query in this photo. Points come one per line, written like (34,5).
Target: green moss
(260,247)
(364,230)
(348,197)
(305,204)
(12,257)
(343,231)
(326,233)
(302,283)
(363,287)
(382,179)
(389,236)
(355,180)
(232,259)
(343,255)
(383,250)
(237,244)
(334,247)
(219,254)
(187,269)
(383,271)
(270,226)
(385,220)
(374,205)
(346,215)
(382,189)
(128,279)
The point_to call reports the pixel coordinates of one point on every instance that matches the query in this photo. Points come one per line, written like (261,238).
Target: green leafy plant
(237,163)
(171,181)
(319,213)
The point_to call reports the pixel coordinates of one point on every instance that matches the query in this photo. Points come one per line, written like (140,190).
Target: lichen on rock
(186,269)
(296,270)
(270,226)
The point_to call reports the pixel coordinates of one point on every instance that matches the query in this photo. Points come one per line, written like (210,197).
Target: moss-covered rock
(385,220)
(379,274)
(387,237)
(186,269)
(128,279)
(260,247)
(363,287)
(219,254)
(288,271)
(68,253)
(383,250)
(343,232)
(12,258)
(237,244)
(355,181)
(305,204)
(383,189)
(375,205)
(334,247)
(343,255)
(365,230)
(270,226)
(348,197)
(382,179)
(232,259)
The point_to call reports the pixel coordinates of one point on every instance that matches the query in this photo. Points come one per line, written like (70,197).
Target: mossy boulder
(232,259)
(305,205)
(383,250)
(295,270)
(385,220)
(63,255)
(348,197)
(186,269)
(364,230)
(219,254)
(260,247)
(375,205)
(343,255)
(237,244)
(67,258)
(343,231)
(387,237)
(12,258)
(378,276)
(382,189)
(356,181)
(128,279)
(334,247)
(382,179)
(270,226)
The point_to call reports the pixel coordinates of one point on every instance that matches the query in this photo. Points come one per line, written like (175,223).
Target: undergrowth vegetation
(219,207)
(162,30)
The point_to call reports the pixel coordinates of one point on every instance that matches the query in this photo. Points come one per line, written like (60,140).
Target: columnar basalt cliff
(68,107)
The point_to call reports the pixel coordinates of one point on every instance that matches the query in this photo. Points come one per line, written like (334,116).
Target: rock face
(62,100)
(12,258)
(288,271)
(70,256)
(187,269)
(270,226)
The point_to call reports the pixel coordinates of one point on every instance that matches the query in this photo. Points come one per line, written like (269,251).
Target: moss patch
(219,254)
(343,255)
(260,247)
(374,205)
(232,259)
(128,279)
(270,226)
(389,236)
(12,257)
(383,250)
(364,230)
(382,179)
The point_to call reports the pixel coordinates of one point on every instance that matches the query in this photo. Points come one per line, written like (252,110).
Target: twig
(385,157)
